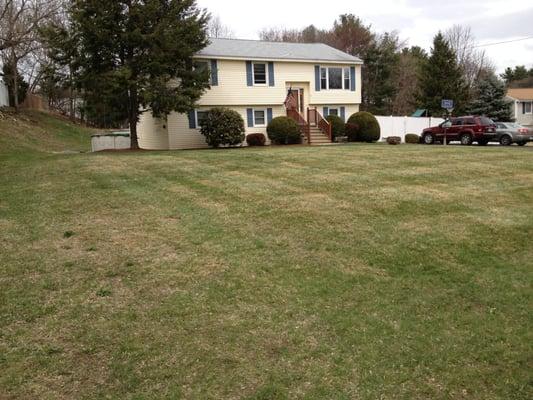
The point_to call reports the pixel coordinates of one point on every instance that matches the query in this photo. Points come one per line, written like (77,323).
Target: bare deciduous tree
(20,21)
(276,34)
(474,62)
(217,29)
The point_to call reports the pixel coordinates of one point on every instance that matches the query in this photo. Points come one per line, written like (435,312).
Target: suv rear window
(486,121)
(470,121)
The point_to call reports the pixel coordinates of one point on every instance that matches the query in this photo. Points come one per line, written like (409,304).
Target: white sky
(417,21)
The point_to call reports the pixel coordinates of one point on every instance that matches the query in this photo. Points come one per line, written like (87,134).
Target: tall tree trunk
(71,96)
(15,73)
(133,111)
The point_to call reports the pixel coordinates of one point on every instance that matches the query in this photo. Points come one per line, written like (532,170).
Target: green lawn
(351,272)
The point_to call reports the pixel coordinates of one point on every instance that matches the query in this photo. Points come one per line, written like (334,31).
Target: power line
(507,41)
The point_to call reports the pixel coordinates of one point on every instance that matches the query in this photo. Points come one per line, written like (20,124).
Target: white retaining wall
(4,96)
(400,126)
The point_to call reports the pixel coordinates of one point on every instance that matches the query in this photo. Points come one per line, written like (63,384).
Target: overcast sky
(417,21)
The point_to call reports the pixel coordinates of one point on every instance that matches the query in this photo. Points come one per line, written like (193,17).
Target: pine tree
(138,52)
(441,78)
(490,100)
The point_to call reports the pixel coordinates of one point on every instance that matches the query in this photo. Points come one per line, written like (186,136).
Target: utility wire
(507,41)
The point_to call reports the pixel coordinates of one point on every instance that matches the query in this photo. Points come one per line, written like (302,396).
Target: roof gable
(255,49)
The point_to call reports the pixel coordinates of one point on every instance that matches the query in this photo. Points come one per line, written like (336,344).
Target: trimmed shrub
(363,127)
(412,138)
(223,127)
(394,140)
(256,139)
(337,125)
(284,130)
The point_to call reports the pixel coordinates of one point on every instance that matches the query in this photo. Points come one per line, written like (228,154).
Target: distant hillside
(31,131)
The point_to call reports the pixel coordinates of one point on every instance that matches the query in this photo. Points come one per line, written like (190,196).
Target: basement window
(200,118)
(259,118)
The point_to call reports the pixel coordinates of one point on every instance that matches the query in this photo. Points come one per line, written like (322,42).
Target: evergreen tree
(381,61)
(441,78)
(490,100)
(9,80)
(136,54)
(519,73)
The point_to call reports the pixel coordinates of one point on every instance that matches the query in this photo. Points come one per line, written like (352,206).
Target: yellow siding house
(253,78)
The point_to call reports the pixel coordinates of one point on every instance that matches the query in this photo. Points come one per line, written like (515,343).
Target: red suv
(464,129)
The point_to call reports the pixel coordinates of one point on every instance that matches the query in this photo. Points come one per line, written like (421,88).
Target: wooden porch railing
(302,123)
(315,118)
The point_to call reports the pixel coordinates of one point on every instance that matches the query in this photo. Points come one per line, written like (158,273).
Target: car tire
(482,142)
(522,144)
(428,138)
(506,140)
(466,139)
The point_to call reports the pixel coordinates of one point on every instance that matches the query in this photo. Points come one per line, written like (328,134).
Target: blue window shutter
(326,112)
(523,108)
(250,117)
(317,78)
(214,73)
(343,114)
(269,115)
(192,119)
(249,77)
(271,81)
(352,79)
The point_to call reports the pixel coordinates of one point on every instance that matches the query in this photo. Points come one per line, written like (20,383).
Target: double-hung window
(323,78)
(527,107)
(259,117)
(260,73)
(347,78)
(201,65)
(333,111)
(200,118)
(335,78)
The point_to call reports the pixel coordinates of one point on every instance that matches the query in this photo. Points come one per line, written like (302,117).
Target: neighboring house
(522,105)
(253,78)
(4,94)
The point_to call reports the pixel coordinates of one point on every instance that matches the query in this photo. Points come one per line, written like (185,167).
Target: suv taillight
(489,129)
(523,131)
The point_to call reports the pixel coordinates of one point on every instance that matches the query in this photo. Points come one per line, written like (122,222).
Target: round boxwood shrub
(363,127)
(284,130)
(256,139)
(412,138)
(394,140)
(223,127)
(337,125)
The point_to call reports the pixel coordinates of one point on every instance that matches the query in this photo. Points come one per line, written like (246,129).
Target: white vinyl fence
(400,126)
(4,96)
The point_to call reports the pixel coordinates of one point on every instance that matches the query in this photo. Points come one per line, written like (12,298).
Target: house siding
(152,133)
(521,118)
(233,91)
(233,87)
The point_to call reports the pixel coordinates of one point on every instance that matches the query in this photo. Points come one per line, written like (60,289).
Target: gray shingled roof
(255,49)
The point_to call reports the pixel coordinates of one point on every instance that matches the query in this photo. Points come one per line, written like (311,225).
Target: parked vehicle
(467,130)
(511,132)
